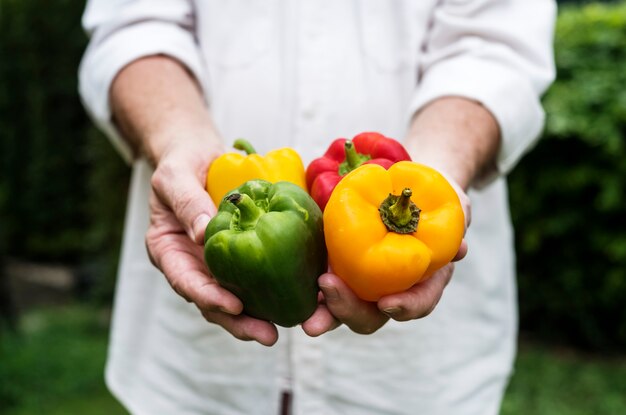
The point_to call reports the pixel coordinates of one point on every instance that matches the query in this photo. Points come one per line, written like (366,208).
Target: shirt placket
(314,34)
(308,375)
(313,68)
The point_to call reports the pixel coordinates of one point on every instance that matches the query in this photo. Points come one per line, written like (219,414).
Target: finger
(462,251)
(320,322)
(419,300)
(244,327)
(182,263)
(362,317)
(180,189)
(189,277)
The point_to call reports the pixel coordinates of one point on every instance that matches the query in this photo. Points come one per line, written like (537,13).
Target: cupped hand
(339,305)
(180,209)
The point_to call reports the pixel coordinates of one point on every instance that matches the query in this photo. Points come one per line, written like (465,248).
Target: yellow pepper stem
(399,213)
(247,214)
(244,145)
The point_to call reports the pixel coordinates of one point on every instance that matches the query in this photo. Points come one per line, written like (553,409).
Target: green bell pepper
(266,245)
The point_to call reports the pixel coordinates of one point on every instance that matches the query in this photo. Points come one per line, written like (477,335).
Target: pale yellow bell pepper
(231,170)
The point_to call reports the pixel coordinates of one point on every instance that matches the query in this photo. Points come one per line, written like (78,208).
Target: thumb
(361,316)
(184,194)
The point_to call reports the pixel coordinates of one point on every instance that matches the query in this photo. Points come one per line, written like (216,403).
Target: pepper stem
(399,213)
(247,214)
(353,159)
(244,145)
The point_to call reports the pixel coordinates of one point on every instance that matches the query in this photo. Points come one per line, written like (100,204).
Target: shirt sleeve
(122,31)
(498,53)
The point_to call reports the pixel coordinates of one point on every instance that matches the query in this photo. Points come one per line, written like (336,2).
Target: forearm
(457,136)
(156,104)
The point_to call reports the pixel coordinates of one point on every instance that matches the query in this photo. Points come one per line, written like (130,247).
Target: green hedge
(568,195)
(62,187)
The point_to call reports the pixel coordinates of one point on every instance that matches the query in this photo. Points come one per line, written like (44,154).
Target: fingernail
(199,226)
(391,311)
(330,293)
(227,311)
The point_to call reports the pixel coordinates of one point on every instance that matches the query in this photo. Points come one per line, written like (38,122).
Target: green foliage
(561,382)
(55,365)
(568,196)
(42,165)
(62,187)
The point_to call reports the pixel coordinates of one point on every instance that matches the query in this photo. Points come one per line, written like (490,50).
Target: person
(173,83)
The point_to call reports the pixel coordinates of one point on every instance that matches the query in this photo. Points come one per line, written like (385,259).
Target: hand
(159,108)
(454,135)
(180,209)
(339,305)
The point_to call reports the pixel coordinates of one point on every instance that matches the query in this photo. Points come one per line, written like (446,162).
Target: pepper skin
(232,169)
(343,156)
(387,230)
(266,246)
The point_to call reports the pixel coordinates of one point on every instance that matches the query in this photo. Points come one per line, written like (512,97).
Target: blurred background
(63,194)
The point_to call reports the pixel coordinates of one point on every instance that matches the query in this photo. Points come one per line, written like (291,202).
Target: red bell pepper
(343,156)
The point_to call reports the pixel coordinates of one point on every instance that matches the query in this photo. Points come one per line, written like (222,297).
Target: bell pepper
(387,230)
(343,156)
(232,169)
(266,245)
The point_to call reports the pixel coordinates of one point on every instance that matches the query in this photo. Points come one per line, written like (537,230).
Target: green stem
(353,159)
(399,213)
(244,145)
(247,213)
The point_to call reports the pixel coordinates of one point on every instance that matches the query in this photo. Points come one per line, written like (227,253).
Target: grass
(55,367)
(55,364)
(557,381)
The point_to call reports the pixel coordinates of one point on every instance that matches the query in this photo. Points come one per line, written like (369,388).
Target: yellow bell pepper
(231,170)
(387,230)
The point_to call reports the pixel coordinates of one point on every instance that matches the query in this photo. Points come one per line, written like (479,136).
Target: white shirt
(299,74)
